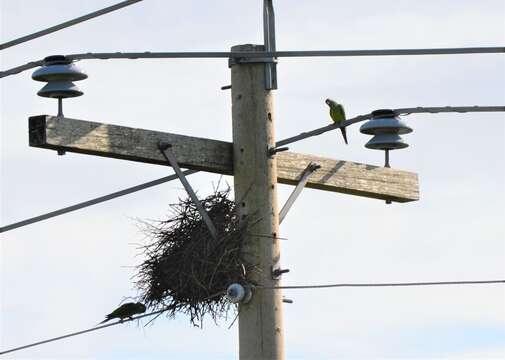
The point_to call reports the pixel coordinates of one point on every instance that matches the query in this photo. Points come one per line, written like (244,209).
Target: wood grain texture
(215,156)
(349,177)
(128,143)
(260,321)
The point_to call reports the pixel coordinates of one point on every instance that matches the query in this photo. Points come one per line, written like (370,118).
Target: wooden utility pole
(256,172)
(261,333)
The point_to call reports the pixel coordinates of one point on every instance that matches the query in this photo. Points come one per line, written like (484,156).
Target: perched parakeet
(337,114)
(125,311)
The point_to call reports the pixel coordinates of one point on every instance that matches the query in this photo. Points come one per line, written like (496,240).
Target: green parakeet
(125,311)
(337,114)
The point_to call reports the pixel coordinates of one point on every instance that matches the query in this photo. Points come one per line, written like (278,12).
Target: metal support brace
(269,38)
(298,189)
(251,60)
(165,148)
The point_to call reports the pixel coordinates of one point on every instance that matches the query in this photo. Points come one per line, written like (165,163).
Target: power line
(260,54)
(67,24)
(79,332)
(92,201)
(384,284)
(301,53)
(98,327)
(404,284)
(400,111)
(19,69)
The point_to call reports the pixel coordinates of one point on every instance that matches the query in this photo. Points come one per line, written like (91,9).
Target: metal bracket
(253,60)
(277,273)
(269,39)
(269,47)
(298,189)
(166,150)
(274,150)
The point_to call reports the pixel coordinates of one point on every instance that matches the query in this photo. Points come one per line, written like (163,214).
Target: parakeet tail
(107,319)
(344,134)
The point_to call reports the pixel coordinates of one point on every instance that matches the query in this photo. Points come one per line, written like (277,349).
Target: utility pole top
(247,47)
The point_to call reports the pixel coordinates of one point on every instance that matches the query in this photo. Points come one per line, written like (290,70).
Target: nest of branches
(187,270)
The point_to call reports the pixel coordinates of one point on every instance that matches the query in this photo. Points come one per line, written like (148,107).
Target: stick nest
(185,269)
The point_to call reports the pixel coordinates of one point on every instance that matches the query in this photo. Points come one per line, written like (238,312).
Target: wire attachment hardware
(251,60)
(269,40)
(277,273)
(59,72)
(274,150)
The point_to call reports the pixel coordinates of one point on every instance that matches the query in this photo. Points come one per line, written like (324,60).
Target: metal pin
(60,107)
(274,150)
(388,166)
(276,273)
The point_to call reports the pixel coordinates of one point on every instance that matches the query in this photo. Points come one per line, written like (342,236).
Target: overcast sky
(65,274)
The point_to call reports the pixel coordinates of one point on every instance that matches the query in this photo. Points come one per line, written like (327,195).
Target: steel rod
(298,189)
(169,155)
(269,40)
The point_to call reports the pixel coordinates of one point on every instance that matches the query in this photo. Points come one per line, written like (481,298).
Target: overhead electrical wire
(158,312)
(68,23)
(273,54)
(295,53)
(400,111)
(92,201)
(475,282)
(78,333)
(432,283)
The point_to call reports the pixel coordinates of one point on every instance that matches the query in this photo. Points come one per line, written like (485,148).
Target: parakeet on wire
(125,311)
(337,114)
